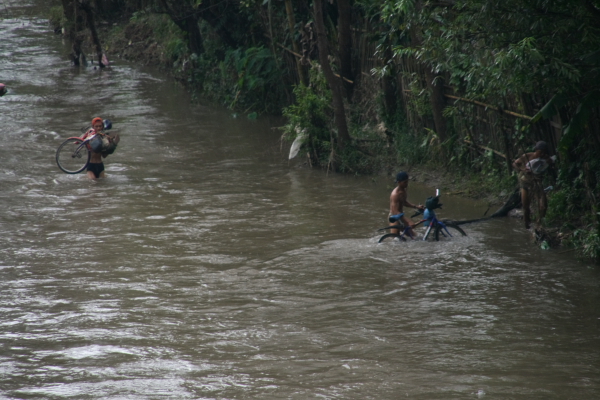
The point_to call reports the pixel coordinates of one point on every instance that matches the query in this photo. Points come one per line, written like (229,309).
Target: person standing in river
(399,199)
(531,168)
(95,168)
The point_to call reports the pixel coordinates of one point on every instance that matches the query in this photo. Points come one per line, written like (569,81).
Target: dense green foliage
(309,116)
(467,85)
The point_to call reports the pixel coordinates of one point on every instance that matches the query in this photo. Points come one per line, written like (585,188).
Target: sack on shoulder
(114,138)
(112,145)
(96,144)
(100,144)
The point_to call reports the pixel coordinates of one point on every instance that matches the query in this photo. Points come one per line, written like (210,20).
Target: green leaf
(551,108)
(577,124)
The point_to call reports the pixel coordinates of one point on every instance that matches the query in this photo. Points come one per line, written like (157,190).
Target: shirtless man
(398,199)
(95,168)
(531,167)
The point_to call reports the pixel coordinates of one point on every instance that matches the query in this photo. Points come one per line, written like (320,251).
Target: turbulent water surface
(208,267)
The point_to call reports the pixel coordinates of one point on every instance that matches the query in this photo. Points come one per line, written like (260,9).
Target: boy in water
(398,199)
(531,167)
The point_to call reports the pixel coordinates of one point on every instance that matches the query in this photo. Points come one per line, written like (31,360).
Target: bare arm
(519,163)
(398,201)
(408,204)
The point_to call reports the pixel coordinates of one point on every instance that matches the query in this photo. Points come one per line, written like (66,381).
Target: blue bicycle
(440,229)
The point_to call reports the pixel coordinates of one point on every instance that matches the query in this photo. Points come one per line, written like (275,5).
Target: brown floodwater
(208,266)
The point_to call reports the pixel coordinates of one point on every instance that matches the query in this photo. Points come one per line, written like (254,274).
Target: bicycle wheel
(454,230)
(391,235)
(71,158)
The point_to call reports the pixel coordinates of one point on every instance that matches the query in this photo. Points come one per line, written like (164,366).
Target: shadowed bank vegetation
(463,86)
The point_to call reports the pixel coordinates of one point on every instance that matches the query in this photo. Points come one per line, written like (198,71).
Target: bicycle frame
(433,222)
(83,143)
(404,230)
(430,217)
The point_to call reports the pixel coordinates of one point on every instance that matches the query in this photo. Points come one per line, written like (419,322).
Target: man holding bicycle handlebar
(398,199)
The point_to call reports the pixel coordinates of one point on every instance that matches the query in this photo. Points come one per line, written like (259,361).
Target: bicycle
(438,227)
(73,155)
(406,230)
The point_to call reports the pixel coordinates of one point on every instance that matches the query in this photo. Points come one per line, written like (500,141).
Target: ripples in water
(205,266)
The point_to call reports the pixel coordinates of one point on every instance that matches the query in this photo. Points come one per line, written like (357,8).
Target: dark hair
(401,176)
(541,145)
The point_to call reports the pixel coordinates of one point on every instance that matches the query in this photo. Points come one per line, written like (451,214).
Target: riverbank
(137,43)
(136,40)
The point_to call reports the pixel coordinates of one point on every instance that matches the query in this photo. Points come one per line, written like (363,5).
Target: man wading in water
(531,168)
(100,148)
(398,199)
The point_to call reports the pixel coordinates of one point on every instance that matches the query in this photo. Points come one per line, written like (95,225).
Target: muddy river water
(207,266)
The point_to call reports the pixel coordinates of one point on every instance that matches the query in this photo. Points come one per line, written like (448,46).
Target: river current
(208,266)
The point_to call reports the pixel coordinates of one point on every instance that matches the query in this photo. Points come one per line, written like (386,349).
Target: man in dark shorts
(95,168)
(398,199)
(531,167)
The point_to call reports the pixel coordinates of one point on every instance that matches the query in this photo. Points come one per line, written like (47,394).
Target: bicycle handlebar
(419,212)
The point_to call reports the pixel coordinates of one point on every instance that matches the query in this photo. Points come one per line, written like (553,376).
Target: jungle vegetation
(462,85)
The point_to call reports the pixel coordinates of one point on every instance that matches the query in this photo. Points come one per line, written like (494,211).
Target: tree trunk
(73,30)
(85,6)
(195,37)
(345,45)
(514,201)
(186,18)
(217,19)
(332,81)
(289,8)
(435,84)
(388,82)
(507,152)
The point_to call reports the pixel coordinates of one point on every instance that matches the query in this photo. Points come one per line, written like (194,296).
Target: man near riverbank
(531,167)
(399,199)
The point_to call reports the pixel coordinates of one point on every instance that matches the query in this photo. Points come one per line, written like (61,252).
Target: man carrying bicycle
(95,168)
(398,199)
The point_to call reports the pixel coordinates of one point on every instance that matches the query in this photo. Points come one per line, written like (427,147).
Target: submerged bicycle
(439,228)
(73,155)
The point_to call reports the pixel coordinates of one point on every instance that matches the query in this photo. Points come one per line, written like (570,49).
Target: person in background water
(531,168)
(3,89)
(95,168)
(398,199)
